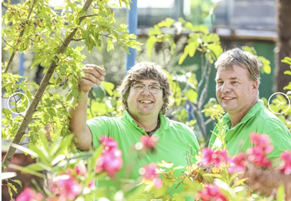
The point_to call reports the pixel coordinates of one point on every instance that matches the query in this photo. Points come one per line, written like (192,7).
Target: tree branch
(20,35)
(5,6)
(7,43)
(39,93)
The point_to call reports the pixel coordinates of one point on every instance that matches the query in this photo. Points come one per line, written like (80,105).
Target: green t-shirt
(174,140)
(257,119)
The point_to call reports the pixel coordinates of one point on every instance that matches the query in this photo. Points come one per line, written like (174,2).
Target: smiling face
(235,91)
(143,102)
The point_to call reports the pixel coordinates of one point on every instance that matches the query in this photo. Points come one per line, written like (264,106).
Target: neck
(236,118)
(148,123)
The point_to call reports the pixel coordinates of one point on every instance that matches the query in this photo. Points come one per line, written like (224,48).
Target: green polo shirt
(257,119)
(174,140)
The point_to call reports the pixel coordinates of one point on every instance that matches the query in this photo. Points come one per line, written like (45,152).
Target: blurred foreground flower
(148,142)
(210,193)
(29,195)
(149,173)
(210,157)
(66,187)
(285,166)
(110,160)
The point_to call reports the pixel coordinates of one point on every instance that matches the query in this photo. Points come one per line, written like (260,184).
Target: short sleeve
(99,126)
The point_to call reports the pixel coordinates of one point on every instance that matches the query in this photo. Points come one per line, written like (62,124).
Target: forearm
(77,125)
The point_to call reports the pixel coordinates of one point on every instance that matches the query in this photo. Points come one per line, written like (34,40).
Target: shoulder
(268,121)
(104,120)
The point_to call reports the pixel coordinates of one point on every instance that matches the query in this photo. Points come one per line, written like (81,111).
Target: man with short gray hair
(237,83)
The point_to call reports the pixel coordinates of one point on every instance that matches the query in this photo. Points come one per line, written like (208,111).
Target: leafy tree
(33,26)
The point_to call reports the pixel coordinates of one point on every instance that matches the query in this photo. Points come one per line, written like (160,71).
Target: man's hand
(92,75)
(267,181)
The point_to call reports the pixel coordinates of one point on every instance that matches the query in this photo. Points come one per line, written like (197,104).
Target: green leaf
(108,86)
(178,197)
(150,44)
(287,60)
(24,149)
(191,95)
(280,193)
(18,182)
(26,170)
(287,72)
(93,161)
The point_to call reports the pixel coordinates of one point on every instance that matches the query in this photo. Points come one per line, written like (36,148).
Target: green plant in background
(283,110)
(200,41)
(33,26)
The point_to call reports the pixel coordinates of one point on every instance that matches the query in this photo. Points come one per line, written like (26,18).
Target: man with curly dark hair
(145,96)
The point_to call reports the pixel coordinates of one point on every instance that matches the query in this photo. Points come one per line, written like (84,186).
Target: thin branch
(77,39)
(203,72)
(5,6)
(208,121)
(83,17)
(39,94)
(20,35)
(7,43)
(205,88)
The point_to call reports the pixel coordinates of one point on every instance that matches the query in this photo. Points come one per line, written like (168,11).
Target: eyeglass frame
(148,87)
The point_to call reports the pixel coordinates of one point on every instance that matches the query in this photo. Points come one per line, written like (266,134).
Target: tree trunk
(283,43)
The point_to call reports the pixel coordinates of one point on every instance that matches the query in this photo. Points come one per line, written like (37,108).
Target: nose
(146,90)
(225,88)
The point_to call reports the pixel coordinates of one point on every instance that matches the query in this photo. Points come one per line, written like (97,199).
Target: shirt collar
(254,109)
(165,123)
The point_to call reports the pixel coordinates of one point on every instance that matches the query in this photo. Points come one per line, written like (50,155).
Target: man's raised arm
(78,116)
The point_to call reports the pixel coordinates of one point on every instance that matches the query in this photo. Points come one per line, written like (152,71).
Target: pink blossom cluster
(66,187)
(149,143)
(256,155)
(110,160)
(211,157)
(210,193)
(285,166)
(29,195)
(151,174)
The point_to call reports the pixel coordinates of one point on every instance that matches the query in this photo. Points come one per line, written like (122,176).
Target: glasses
(139,87)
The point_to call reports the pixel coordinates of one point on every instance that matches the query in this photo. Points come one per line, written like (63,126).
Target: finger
(85,85)
(89,70)
(93,78)
(100,70)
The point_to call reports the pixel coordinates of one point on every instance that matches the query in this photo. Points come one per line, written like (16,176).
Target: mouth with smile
(227,98)
(146,101)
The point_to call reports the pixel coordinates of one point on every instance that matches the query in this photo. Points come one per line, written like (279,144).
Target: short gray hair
(241,58)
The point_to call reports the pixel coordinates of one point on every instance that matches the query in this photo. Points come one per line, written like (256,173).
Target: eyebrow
(152,83)
(231,78)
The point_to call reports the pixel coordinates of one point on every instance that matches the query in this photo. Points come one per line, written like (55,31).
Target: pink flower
(258,157)
(285,166)
(29,195)
(237,163)
(92,184)
(210,193)
(110,161)
(108,142)
(67,187)
(211,157)
(150,171)
(81,170)
(150,174)
(149,143)
(263,141)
